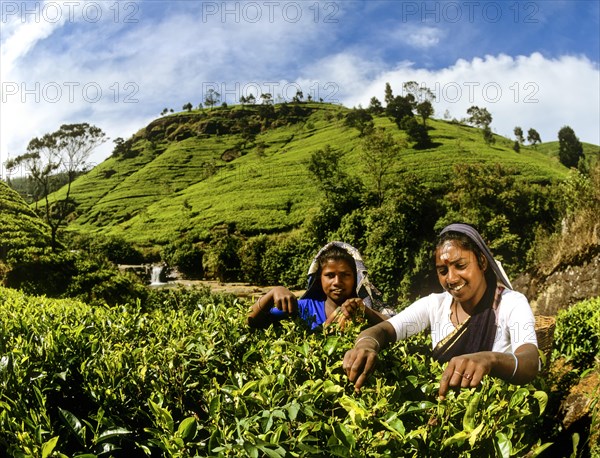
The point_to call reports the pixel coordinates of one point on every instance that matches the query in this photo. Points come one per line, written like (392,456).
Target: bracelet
(516,366)
(368,337)
(260,309)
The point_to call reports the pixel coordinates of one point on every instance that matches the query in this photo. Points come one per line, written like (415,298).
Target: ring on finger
(467,376)
(456,372)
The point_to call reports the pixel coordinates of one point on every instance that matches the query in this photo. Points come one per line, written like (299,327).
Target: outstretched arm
(360,362)
(468,370)
(279,297)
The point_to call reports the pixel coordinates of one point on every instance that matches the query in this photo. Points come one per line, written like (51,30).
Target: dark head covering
(470,232)
(364,289)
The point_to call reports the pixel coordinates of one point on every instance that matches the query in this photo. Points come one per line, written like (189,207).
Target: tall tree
(425,110)
(212,98)
(519,135)
(399,108)
(533,137)
(418,93)
(375,106)
(380,153)
(65,151)
(479,117)
(388,96)
(570,149)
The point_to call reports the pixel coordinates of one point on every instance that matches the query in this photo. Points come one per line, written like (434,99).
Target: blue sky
(117,64)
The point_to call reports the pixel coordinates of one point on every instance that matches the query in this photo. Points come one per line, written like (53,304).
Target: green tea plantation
(183,375)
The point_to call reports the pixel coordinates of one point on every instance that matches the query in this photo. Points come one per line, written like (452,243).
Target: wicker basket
(544,329)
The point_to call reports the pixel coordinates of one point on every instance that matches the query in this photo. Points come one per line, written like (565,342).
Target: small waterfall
(156,275)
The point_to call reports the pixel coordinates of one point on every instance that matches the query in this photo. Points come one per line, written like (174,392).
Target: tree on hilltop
(421,98)
(425,110)
(388,95)
(399,108)
(375,106)
(420,93)
(212,98)
(519,135)
(481,118)
(298,97)
(533,137)
(188,106)
(267,98)
(570,149)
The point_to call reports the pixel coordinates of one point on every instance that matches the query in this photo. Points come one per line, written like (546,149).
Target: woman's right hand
(359,363)
(278,299)
(284,300)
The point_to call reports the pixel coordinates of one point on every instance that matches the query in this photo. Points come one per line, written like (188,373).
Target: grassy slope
(156,196)
(20,227)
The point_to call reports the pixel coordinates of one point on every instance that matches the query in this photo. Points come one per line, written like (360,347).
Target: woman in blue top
(338,290)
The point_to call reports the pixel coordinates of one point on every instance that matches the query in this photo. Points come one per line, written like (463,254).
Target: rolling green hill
(189,172)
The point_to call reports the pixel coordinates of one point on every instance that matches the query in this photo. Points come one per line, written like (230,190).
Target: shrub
(251,254)
(98,282)
(222,261)
(41,272)
(577,333)
(185,256)
(287,260)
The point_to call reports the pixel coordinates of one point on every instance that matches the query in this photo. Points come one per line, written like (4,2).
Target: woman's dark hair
(335,253)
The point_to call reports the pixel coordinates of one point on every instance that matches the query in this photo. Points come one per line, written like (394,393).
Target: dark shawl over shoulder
(478,332)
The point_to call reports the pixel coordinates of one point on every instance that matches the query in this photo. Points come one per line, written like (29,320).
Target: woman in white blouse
(478,326)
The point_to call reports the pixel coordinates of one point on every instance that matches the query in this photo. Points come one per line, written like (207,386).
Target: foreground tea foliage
(186,377)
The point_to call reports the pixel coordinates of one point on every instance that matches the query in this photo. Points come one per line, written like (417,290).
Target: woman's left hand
(353,307)
(349,310)
(466,371)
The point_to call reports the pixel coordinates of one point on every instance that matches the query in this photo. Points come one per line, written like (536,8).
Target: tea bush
(186,377)
(577,333)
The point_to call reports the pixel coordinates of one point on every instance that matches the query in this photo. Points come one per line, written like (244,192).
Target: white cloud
(527,91)
(421,37)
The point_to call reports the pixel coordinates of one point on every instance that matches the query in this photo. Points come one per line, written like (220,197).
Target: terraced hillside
(247,165)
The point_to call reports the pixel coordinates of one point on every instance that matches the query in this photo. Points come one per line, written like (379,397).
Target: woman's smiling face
(337,280)
(460,274)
